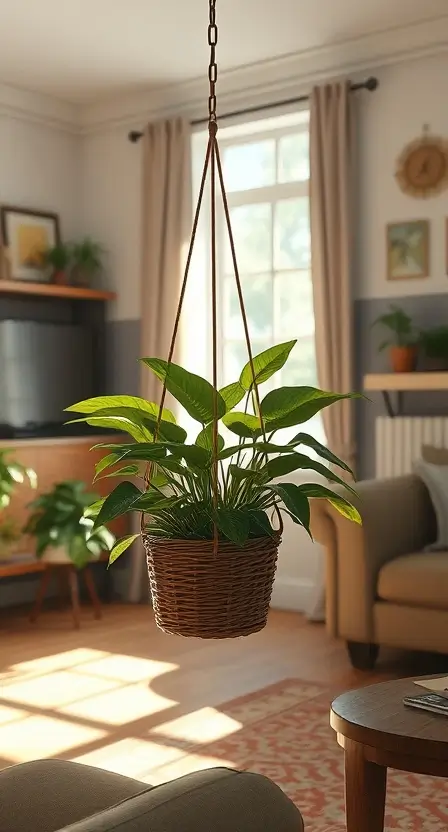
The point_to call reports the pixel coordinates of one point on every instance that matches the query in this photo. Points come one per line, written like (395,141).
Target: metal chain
(213,66)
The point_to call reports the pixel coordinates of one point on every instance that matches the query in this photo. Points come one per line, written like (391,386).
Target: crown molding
(39,109)
(283,77)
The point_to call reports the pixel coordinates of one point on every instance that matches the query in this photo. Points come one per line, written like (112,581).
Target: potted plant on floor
(12,474)
(63,529)
(57,260)
(212,531)
(403,339)
(434,344)
(87,261)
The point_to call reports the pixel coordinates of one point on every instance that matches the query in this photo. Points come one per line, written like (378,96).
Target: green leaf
(233,524)
(289,406)
(102,402)
(283,465)
(121,546)
(260,525)
(243,424)
(193,455)
(337,501)
(121,500)
(295,501)
(239,474)
(321,450)
(144,424)
(232,394)
(115,423)
(194,393)
(205,439)
(125,471)
(266,364)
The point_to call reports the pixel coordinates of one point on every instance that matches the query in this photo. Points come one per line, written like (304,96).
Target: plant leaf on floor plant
(121,500)
(194,393)
(233,524)
(205,439)
(265,364)
(282,465)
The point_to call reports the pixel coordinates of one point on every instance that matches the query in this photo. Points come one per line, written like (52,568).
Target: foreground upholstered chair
(382,586)
(56,796)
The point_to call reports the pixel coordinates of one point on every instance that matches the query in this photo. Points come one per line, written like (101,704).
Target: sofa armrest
(218,799)
(397,519)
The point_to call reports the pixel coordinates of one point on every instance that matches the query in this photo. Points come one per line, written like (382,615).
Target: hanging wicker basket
(197,593)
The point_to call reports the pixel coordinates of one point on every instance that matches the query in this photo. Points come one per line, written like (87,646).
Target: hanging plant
(211,513)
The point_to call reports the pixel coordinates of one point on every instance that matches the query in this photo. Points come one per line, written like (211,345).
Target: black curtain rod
(370,84)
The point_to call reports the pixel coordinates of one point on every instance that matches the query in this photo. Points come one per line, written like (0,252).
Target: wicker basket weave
(198,594)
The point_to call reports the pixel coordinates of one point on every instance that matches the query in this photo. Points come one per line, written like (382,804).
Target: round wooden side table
(378,732)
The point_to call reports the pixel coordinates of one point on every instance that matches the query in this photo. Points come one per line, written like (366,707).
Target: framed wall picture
(26,234)
(407,249)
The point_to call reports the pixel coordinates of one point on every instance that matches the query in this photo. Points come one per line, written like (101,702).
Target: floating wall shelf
(400,383)
(51,290)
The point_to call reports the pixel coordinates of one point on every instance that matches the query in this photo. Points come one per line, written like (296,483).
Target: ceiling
(86,50)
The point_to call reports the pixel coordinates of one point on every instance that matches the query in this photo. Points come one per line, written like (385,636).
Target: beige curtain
(331,154)
(166,224)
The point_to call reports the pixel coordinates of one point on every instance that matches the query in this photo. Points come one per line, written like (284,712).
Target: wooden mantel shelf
(399,383)
(406,381)
(51,290)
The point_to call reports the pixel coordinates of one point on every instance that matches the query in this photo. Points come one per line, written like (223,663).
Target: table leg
(74,594)
(91,589)
(365,790)
(41,592)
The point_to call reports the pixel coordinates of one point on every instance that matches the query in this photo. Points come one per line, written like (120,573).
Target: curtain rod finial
(372,84)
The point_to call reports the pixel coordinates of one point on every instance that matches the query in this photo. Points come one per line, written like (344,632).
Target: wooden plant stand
(68,579)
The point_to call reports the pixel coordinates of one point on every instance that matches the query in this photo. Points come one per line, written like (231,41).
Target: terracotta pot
(403,359)
(60,278)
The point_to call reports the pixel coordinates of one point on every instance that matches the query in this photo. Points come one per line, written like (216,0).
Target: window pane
(293,158)
(257,295)
(292,234)
(249,166)
(300,369)
(251,225)
(236,357)
(294,312)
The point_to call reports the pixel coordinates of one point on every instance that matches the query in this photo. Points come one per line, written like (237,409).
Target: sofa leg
(362,656)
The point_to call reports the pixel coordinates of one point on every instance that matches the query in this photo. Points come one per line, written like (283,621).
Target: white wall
(410,95)
(39,168)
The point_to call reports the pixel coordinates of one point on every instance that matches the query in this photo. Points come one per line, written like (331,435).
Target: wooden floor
(98,694)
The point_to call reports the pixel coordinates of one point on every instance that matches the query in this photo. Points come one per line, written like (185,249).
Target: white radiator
(398,441)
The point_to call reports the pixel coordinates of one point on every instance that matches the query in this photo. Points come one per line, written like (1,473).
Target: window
(266,172)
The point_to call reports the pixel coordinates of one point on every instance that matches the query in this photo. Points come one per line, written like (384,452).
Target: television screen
(44,367)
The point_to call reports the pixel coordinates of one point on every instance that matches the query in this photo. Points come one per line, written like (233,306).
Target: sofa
(383,587)
(50,795)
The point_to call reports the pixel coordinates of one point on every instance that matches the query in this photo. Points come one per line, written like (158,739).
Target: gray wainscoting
(425,311)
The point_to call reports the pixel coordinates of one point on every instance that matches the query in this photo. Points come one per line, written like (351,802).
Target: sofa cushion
(418,580)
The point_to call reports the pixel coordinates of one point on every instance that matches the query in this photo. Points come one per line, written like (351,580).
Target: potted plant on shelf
(87,261)
(402,342)
(57,260)
(434,344)
(208,527)
(12,474)
(63,529)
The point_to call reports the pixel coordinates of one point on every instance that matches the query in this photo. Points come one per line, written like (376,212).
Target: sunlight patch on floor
(128,668)
(8,714)
(59,661)
(55,689)
(119,707)
(40,736)
(131,757)
(205,725)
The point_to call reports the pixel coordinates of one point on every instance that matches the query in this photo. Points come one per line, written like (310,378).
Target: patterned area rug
(286,735)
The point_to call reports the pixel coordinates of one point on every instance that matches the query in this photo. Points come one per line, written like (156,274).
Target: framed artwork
(407,249)
(26,234)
